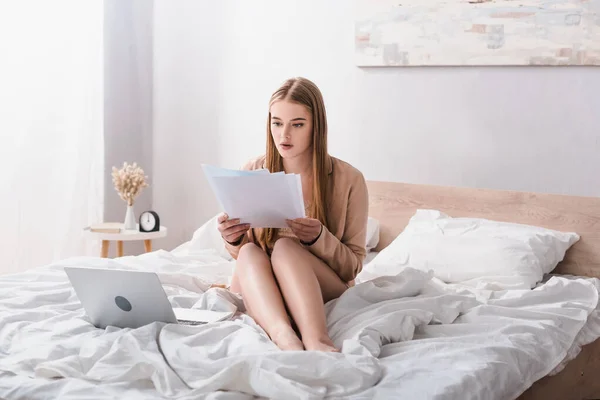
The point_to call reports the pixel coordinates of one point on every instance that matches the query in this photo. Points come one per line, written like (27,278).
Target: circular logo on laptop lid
(123,303)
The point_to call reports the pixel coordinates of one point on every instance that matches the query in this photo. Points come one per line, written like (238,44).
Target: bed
(402,336)
(394,203)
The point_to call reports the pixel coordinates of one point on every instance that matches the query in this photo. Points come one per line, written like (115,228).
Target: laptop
(131,299)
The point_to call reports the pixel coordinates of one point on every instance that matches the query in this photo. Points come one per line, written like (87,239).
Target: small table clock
(149,222)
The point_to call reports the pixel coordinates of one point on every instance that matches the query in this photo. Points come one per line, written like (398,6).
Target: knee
(283,250)
(250,256)
(246,252)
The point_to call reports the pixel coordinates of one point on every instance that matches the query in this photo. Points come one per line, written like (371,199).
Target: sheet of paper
(299,191)
(296,187)
(262,200)
(212,171)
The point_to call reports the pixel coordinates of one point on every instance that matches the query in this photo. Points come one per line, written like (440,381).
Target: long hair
(306,93)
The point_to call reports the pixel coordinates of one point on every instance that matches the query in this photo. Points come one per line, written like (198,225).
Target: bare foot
(286,339)
(320,344)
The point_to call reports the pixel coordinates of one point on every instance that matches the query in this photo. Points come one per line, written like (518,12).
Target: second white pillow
(486,253)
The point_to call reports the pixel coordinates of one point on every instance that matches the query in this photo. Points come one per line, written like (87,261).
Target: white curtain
(51,129)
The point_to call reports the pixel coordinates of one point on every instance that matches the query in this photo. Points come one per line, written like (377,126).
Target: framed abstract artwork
(477,32)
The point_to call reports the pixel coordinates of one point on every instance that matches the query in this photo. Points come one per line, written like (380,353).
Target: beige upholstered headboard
(394,203)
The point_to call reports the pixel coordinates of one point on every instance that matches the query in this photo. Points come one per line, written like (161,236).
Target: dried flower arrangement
(129,181)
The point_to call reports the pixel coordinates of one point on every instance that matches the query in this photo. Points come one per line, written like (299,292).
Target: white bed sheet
(408,336)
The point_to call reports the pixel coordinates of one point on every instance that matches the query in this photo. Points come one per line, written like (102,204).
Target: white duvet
(408,336)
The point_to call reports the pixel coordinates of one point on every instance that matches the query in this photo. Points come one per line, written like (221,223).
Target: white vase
(130,223)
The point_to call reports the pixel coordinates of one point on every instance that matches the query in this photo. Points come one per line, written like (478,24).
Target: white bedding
(407,336)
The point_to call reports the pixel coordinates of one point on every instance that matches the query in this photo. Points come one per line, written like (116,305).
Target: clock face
(147,221)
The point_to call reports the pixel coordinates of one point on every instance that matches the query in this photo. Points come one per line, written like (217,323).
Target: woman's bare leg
(253,279)
(306,283)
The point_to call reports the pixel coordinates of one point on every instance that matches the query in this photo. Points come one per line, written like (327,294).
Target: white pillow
(372,234)
(207,237)
(473,251)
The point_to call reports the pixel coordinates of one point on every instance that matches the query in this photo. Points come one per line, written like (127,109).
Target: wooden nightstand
(125,236)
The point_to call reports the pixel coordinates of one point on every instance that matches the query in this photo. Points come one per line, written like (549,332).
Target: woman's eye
(276,124)
(298,125)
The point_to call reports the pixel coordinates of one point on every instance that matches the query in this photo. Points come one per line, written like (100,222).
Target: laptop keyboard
(185,322)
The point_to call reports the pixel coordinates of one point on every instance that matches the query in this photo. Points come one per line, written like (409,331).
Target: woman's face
(291,128)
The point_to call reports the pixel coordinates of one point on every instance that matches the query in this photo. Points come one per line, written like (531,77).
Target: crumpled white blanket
(406,336)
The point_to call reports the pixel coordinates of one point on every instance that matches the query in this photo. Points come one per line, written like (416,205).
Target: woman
(316,259)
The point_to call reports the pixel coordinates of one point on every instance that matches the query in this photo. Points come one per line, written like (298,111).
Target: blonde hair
(302,91)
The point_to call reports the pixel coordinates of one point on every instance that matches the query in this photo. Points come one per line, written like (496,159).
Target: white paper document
(259,198)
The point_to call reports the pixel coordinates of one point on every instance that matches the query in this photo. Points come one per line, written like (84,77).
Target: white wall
(127,102)
(186,113)
(215,66)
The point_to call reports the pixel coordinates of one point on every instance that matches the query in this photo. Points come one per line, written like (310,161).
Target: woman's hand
(231,229)
(307,230)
